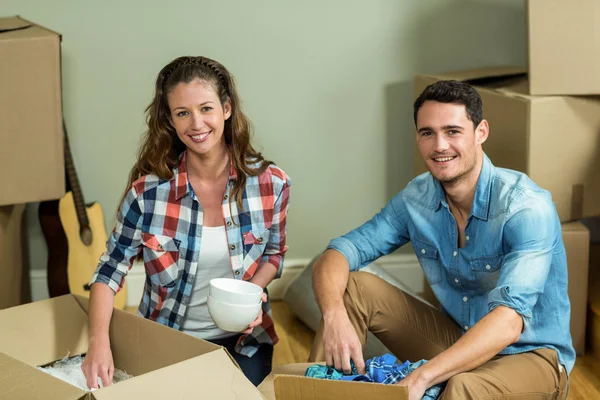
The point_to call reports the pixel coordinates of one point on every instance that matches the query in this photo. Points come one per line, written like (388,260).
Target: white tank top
(213,263)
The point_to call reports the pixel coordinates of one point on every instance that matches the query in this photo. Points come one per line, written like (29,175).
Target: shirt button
(226,197)
(237,271)
(465,299)
(454,254)
(232,247)
(228,223)
(466,327)
(456,280)
(467,238)
(423,251)
(488,267)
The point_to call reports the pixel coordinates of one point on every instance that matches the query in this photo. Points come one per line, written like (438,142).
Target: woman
(201,204)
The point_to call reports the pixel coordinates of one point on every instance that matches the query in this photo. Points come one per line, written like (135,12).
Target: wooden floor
(295,340)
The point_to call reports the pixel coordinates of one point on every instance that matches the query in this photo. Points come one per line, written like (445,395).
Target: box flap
(266,387)
(211,376)
(480,73)
(19,381)
(140,345)
(511,81)
(17,28)
(575,228)
(293,387)
(8,24)
(44,331)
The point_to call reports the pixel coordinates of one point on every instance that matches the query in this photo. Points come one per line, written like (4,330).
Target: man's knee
(465,386)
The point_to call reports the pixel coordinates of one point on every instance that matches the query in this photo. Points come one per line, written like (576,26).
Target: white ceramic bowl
(232,317)
(234,291)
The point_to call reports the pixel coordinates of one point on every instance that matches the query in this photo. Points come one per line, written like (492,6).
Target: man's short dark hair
(453,92)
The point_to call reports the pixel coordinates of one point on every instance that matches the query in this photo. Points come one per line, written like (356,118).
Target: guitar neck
(74,183)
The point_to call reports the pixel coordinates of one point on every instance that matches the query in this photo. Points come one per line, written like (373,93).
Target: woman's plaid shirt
(163,220)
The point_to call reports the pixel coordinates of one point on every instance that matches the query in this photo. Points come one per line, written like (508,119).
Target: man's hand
(341,342)
(258,319)
(416,386)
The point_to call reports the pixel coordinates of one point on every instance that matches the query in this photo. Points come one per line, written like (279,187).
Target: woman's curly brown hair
(160,147)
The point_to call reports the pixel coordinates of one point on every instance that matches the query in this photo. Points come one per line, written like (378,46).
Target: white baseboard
(404,267)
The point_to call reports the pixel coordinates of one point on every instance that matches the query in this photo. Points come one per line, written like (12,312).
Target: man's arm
(330,278)
(381,235)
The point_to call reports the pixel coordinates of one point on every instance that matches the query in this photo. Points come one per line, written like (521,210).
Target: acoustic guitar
(75,236)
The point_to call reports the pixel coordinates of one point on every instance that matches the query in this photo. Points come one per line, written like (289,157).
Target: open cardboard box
(287,382)
(165,363)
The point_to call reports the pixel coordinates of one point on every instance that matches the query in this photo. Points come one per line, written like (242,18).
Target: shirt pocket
(161,258)
(486,270)
(428,256)
(255,242)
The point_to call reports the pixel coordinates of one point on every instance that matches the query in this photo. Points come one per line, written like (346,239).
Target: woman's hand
(258,319)
(98,363)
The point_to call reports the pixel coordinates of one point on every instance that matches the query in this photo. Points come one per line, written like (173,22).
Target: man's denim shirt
(514,254)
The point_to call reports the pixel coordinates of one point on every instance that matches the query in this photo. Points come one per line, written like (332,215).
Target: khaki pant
(413,330)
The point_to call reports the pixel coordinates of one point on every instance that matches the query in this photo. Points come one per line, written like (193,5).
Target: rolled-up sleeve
(381,235)
(123,245)
(276,246)
(532,235)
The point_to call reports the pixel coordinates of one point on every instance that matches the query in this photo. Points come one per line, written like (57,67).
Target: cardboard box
(31,138)
(577,244)
(593,322)
(165,363)
(554,140)
(287,382)
(563,47)
(11,251)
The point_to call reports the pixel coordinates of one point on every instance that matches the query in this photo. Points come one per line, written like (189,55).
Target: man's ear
(482,131)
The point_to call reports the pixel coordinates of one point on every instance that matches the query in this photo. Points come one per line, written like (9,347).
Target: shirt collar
(481,200)
(181,176)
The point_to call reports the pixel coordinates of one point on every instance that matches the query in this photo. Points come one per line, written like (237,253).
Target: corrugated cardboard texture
(11,250)
(213,376)
(31,140)
(577,244)
(563,46)
(45,331)
(554,140)
(19,381)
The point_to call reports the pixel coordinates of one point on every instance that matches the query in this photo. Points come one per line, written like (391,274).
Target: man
(489,242)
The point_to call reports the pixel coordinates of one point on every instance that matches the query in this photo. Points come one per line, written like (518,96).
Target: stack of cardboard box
(546,123)
(31,140)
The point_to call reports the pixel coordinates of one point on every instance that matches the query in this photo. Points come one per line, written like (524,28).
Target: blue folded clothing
(382,369)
